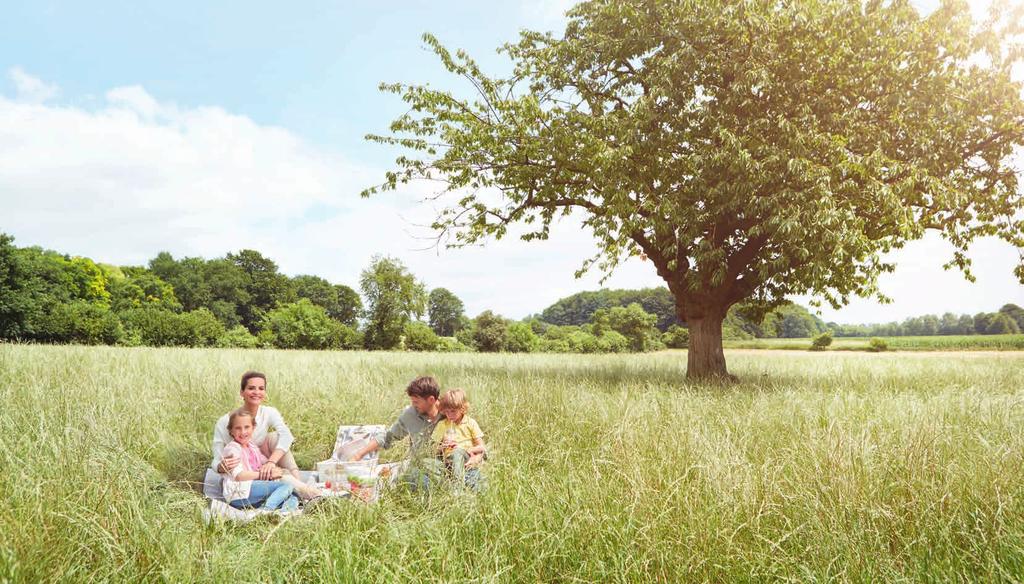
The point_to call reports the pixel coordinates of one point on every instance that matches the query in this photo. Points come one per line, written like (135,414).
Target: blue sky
(201,128)
(314,71)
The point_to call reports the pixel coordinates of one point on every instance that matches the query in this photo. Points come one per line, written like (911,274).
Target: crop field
(931,343)
(844,466)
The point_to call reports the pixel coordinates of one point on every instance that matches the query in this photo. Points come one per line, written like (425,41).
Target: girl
(242,488)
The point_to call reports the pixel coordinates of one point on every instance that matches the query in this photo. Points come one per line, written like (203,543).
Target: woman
(274,445)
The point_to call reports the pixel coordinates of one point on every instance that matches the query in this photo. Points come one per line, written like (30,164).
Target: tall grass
(929,343)
(836,466)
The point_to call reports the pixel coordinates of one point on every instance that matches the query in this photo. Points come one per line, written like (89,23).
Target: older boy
(416,421)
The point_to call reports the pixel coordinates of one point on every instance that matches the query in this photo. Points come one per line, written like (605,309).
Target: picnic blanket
(349,440)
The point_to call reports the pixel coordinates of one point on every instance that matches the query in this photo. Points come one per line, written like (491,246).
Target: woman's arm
(285,438)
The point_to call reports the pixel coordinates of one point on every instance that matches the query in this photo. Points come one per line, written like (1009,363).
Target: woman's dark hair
(249,375)
(423,386)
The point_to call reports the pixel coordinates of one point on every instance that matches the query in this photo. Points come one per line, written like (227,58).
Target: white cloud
(30,89)
(137,175)
(920,285)
(136,99)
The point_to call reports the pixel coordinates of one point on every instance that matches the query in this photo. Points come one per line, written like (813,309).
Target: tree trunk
(705,358)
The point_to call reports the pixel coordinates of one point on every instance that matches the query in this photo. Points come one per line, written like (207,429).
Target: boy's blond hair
(454,399)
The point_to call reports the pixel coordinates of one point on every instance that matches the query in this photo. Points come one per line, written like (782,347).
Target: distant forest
(789,321)
(242,300)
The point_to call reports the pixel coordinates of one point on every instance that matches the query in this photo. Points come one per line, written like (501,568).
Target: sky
(200,128)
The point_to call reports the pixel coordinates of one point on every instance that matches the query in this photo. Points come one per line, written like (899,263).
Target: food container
(362,482)
(327,471)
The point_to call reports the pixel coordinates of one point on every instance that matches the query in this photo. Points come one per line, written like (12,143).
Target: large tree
(17,301)
(751,150)
(341,302)
(446,312)
(393,298)
(267,288)
(350,306)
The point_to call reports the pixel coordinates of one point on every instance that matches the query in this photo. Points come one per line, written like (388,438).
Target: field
(932,343)
(842,466)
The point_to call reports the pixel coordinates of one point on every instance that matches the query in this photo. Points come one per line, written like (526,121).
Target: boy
(458,439)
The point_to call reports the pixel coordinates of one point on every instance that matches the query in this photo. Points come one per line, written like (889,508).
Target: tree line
(789,321)
(242,300)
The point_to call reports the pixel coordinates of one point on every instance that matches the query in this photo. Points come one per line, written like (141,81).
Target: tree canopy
(446,312)
(749,150)
(394,297)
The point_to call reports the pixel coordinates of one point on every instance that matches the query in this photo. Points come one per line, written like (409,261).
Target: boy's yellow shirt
(466,432)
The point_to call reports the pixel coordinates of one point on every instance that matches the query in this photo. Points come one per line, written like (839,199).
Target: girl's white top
(250,457)
(267,418)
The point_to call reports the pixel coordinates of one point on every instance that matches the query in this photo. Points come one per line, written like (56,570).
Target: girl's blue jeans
(272,494)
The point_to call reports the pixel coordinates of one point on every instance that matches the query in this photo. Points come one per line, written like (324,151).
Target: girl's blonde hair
(239,413)
(454,399)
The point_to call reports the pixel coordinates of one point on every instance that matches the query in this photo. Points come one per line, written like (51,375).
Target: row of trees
(242,300)
(1007,320)
(238,300)
(786,321)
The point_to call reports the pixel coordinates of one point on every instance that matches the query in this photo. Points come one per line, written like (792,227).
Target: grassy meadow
(841,466)
(929,343)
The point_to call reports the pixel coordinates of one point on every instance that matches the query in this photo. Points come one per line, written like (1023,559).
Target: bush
(582,342)
(451,345)
(84,322)
(238,337)
(265,339)
(822,341)
(555,332)
(203,327)
(489,332)
(554,345)
(157,327)
(348,337)
(632,322)
(676,337)
(1002,324)
(520,338)
(614,342)
(419,336)
(877,345)
(464,336)
(304,325)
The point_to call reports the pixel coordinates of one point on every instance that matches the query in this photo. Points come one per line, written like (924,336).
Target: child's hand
(474,461)
(267,471)
(228,463)
(448,443)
